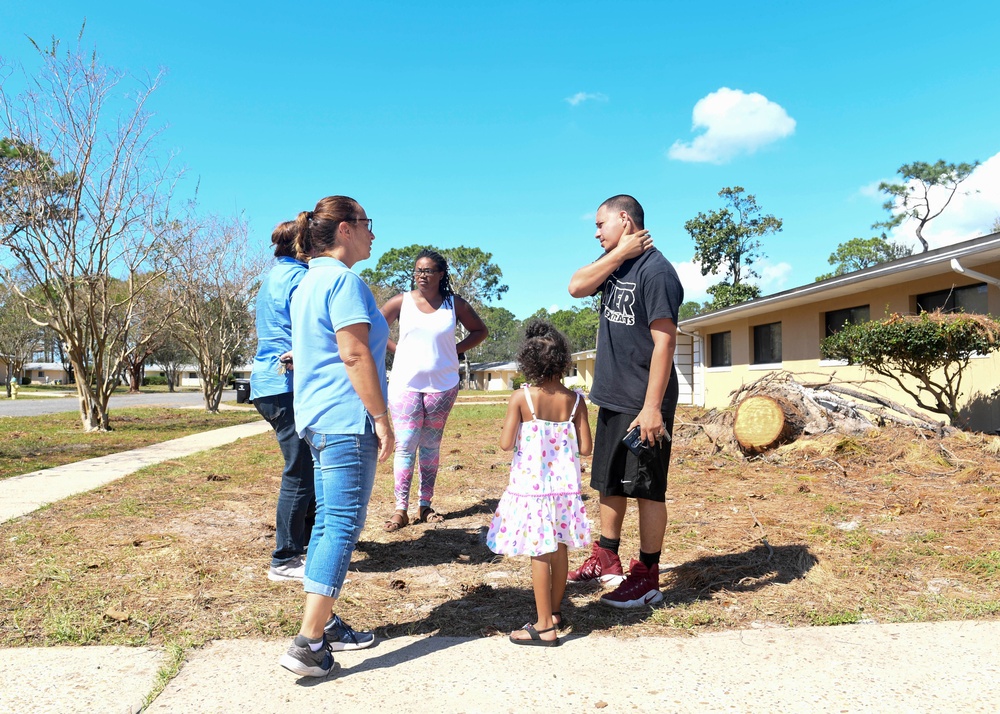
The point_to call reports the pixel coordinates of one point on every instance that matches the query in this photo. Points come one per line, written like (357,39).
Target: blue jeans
(345,473)
(297,497)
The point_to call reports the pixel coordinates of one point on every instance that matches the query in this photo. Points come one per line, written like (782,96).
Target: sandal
(429,515)
(562,624)
(536,640)
(396,521)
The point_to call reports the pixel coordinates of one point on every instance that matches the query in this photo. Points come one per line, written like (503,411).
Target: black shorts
(616,471)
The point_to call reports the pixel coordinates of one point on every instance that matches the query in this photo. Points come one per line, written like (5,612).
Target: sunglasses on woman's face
(417,272)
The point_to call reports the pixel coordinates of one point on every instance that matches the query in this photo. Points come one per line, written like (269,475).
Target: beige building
(45,372)
(581,373)
(717,352)
(492,376)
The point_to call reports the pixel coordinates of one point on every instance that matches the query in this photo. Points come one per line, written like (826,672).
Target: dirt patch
(891,526)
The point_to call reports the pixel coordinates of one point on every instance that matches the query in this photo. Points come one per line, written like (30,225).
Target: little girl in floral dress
(541,513)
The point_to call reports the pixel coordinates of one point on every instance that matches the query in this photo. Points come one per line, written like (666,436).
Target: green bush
(155,380)
(518,381)
(932,349)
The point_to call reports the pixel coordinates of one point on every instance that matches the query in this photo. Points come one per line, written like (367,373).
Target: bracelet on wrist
(378,416)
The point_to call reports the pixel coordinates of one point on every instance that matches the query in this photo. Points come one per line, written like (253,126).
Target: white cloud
(553,308)
(870,190)
(971,212)
(581,97)
(735,123)
(695,284)
(774,278)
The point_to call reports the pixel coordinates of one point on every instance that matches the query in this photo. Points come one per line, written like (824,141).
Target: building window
(192,375)
(41,374)
(720,349)
(489,376)
(767,343)
(836,319)
(970,299)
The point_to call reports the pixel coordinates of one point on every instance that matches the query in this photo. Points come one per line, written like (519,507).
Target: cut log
(763,422)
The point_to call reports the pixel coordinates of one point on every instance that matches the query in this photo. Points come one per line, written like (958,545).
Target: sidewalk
(23,494)
(924,667)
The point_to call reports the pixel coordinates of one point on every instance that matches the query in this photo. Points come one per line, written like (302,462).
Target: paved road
(54,405)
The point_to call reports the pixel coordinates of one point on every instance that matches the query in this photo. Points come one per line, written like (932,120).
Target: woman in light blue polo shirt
(271,393)
(338,339)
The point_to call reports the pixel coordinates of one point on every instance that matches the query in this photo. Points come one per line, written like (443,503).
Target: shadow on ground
(484,609)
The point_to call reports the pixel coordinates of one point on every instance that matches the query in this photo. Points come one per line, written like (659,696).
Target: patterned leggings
(418,418)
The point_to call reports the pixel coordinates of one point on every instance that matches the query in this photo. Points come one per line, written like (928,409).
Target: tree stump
(763,422)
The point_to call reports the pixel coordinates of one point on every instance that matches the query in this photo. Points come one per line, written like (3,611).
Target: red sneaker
(641,588)
(603,565)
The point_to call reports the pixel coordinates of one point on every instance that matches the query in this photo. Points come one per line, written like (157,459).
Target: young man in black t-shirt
(634,385)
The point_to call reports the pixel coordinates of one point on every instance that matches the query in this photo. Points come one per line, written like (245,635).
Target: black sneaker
(341,637)
(301,660)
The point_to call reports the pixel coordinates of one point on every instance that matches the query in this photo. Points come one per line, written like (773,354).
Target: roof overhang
(979,251)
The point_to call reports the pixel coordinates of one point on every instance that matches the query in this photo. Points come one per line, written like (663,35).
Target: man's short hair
(624,202)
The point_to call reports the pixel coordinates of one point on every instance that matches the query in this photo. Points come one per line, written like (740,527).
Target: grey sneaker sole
(302,669)
(278,577)
(346,646)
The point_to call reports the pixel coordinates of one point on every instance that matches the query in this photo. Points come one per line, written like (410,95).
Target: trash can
(242,391)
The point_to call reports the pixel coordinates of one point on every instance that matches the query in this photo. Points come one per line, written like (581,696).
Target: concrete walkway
(925,667)
(23,494)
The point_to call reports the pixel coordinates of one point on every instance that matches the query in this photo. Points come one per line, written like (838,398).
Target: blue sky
(504,125)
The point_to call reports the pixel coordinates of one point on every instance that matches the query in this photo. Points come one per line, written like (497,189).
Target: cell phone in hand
(633,440)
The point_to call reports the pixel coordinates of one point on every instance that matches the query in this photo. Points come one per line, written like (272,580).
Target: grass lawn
(891,527)
(41,442)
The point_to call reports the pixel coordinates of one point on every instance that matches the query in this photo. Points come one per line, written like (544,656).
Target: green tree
(31,189)
(728,240)
(925,355)
(579,324)
(689,309)
(860,253)
(473,274)
(912,198)
(505,334)
(995,228)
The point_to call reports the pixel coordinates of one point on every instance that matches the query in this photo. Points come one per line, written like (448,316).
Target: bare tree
(19,336)
(172,355)
(214,287)
(147,330)
(85,212)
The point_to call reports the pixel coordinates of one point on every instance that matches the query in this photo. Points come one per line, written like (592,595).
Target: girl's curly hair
(544,354)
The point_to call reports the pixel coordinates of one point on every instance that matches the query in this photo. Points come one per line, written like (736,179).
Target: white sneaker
(294,569)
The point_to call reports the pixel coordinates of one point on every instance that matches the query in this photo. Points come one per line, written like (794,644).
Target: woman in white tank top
(424,380)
